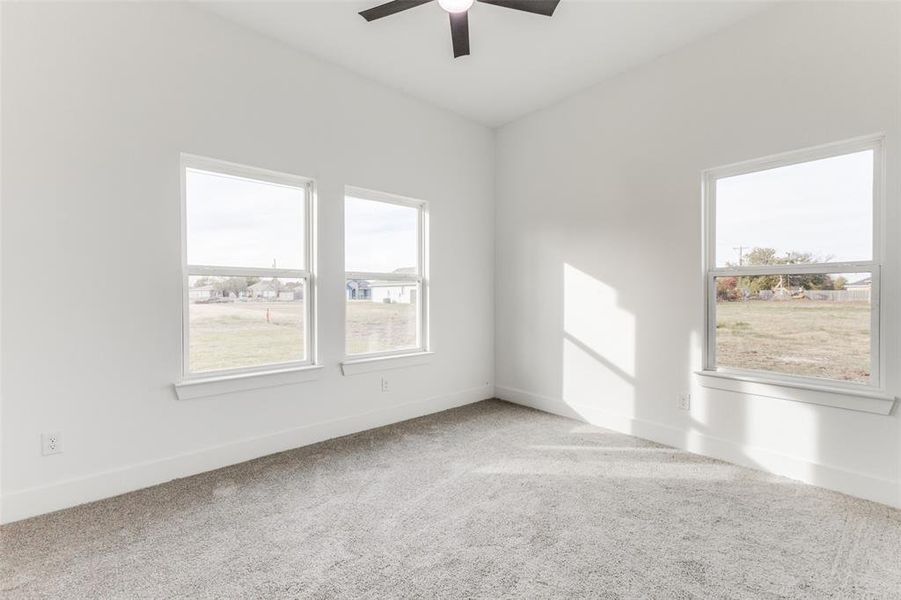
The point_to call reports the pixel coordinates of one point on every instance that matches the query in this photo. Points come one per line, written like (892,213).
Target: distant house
(393,292)
(266,289)
(291,292)
(388,292)
(357,289)
(273,289)
(863,284)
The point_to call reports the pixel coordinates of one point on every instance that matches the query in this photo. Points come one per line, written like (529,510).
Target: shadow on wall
(622,367)
(598,346)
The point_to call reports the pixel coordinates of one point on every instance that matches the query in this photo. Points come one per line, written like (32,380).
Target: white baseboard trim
(868,487)
(31,502)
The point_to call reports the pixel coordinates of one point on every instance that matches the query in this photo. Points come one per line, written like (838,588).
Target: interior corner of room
(267,232)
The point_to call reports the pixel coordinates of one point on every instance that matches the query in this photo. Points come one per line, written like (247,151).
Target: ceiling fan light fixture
(455,6)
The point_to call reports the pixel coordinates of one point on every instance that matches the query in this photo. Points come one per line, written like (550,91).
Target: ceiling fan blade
(539,7)
(460,33)
(390,8)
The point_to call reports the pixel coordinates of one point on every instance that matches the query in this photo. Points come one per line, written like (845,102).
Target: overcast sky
(824,207)
(236,222)
(240,223)
(379,237)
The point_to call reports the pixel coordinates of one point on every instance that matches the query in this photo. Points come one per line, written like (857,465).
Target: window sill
(215,386)
(357,366)
(871,401)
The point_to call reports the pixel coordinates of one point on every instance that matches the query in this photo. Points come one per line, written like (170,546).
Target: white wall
(98,101)
(598,201)
(599,208)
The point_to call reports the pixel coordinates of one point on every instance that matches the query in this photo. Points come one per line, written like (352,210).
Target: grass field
(237,334)
(799,337)
(379,327)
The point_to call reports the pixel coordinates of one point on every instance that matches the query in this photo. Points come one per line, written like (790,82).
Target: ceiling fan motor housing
(458,11)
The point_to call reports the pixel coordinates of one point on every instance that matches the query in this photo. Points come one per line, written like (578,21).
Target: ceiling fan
(459,14)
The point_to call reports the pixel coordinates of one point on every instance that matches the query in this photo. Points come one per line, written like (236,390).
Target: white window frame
(420,277)
(875,388)
(307,274)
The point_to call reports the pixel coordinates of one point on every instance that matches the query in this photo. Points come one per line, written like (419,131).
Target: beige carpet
(486,501)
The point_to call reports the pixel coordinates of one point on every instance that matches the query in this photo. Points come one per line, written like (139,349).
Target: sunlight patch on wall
(592,316)
(598,345)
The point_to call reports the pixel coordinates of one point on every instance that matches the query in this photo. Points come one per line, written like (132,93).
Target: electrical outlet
(384,384)
(51,443)
(685,401)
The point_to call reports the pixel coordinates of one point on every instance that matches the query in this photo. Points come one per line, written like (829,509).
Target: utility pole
(741,255)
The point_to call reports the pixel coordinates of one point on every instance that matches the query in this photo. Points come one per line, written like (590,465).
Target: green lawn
(799,337)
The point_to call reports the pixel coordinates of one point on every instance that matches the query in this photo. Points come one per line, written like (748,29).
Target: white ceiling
(520,62)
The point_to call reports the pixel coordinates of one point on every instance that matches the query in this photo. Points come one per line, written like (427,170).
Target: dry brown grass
(237,334)
(379,327)
(798,337)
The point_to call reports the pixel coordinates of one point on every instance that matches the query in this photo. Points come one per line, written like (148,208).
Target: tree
(231,285)
(768,256)
(761,256)
(815,281)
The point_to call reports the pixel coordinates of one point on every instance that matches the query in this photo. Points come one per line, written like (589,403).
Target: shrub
(727,289)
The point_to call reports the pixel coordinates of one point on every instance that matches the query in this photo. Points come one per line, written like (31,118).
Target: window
(385,261)
(793,267)
(248,283)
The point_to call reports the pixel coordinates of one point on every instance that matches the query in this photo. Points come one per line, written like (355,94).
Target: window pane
(239,322)
(380,237)
(818,211)
(381,316)
(808,325)
(234,222)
